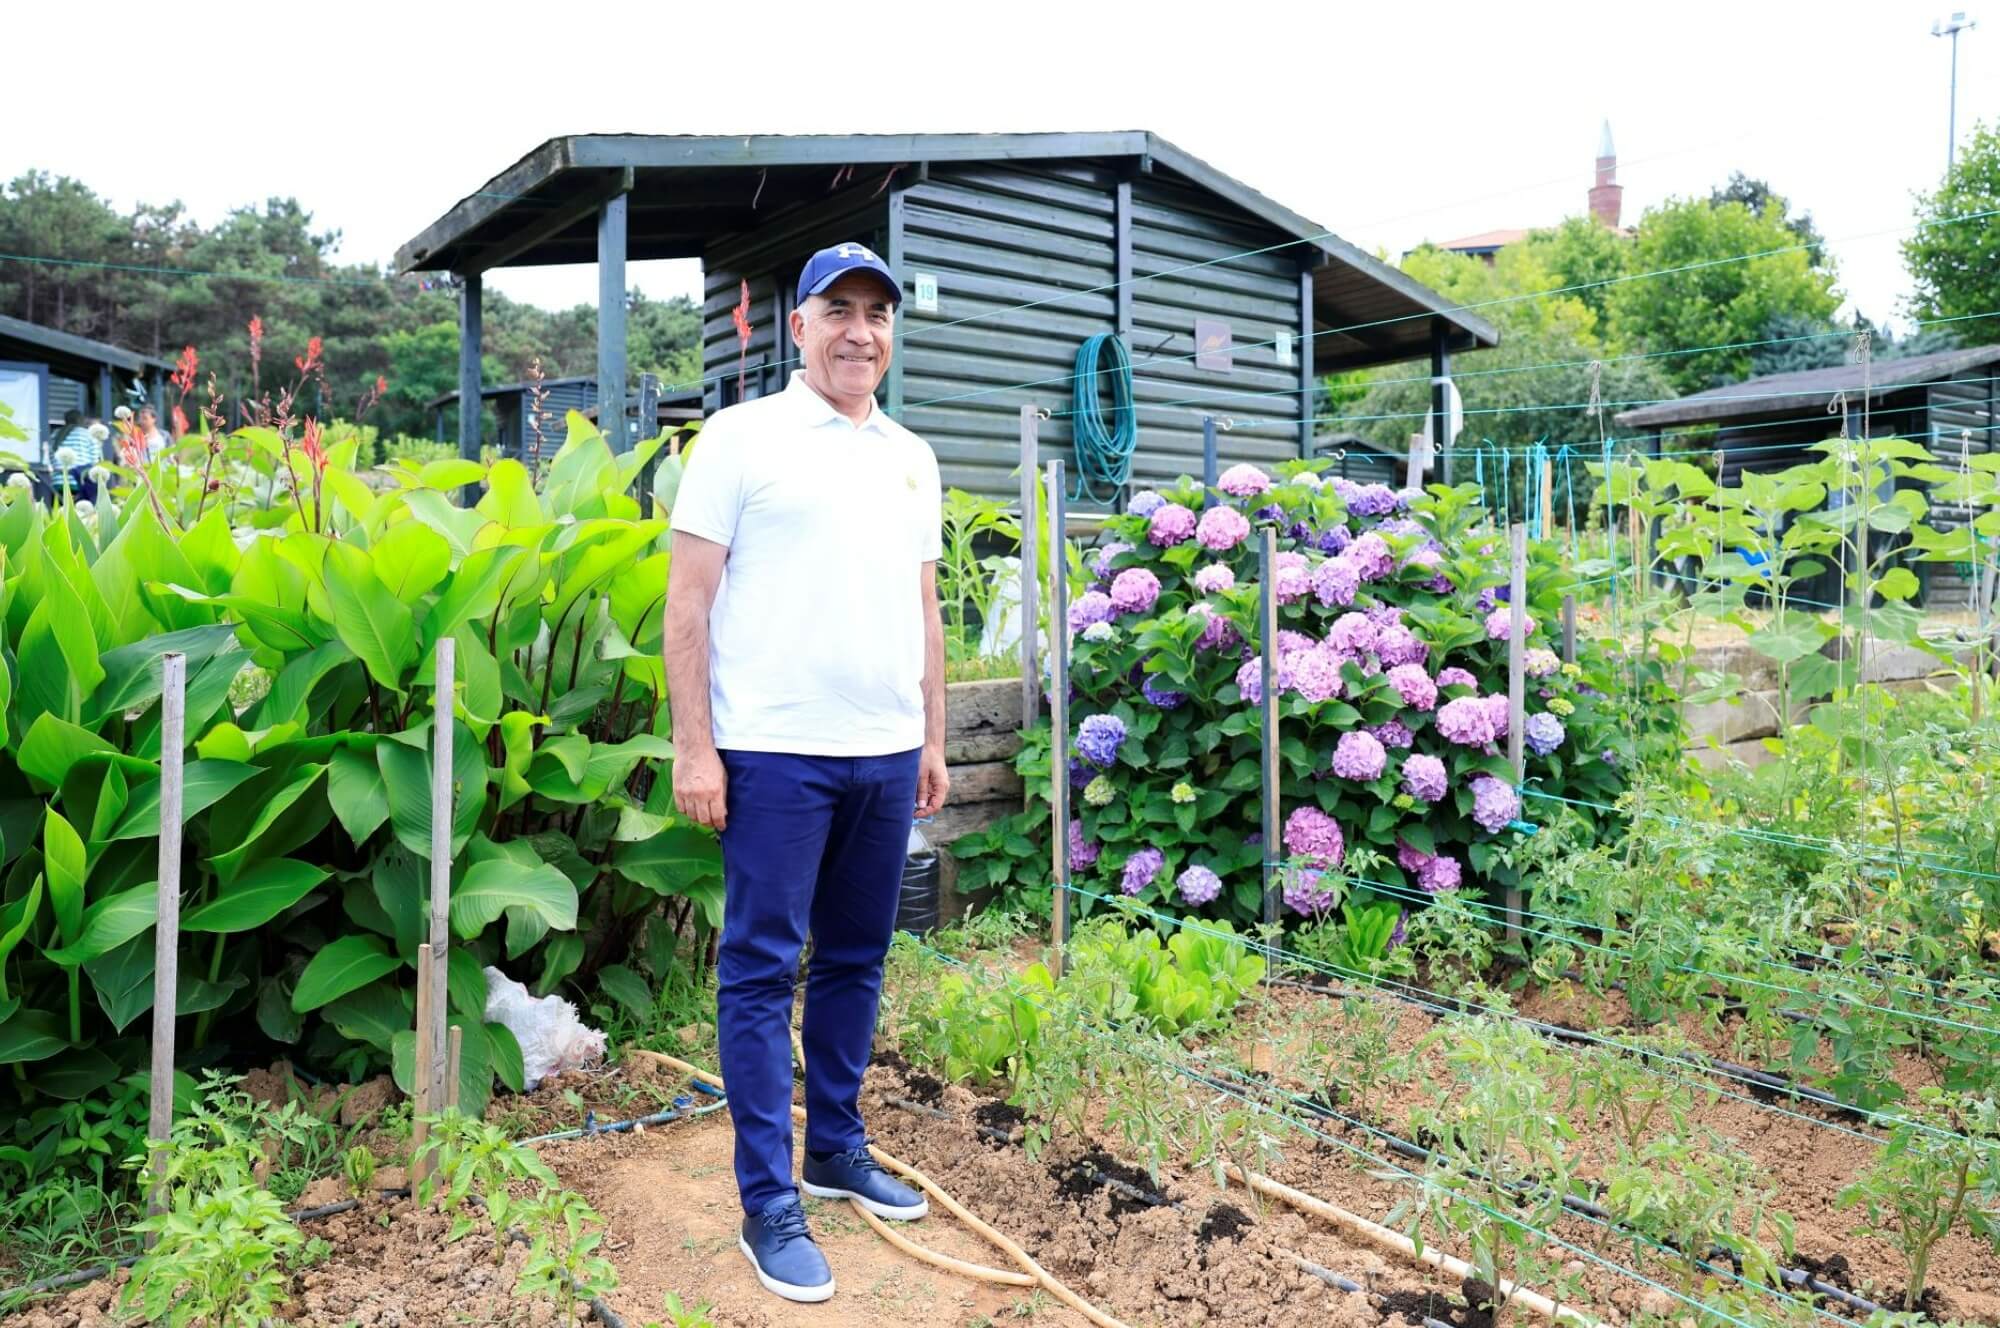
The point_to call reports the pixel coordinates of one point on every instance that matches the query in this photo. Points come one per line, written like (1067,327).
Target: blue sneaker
(780,1247)
(858,1176)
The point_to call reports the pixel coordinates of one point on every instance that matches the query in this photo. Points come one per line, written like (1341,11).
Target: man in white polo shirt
(805,658)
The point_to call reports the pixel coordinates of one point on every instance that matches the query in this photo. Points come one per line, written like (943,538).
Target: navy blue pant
(810,842)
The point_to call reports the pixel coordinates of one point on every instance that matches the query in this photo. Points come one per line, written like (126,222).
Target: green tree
(1954,254)
(1725,273)
(1756,195)
(1584,258)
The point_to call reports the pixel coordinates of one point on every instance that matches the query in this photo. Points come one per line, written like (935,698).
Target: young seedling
(1705,1200)
(562,1263)
(1941,1166)
(682,1315)
(358,1166)
(471,1157)
(1628,1093)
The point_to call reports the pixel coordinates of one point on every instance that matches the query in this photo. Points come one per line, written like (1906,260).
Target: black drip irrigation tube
(1152,1198)
(590,1129)
(1797,1277)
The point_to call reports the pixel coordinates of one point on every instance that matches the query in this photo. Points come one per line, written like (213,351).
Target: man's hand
(701,788)
(933,781)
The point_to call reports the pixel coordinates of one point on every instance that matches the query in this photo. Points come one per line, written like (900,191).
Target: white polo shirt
(816,640)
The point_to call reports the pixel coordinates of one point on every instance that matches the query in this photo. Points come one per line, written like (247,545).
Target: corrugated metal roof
(685,192)
(67,353)
(1809,389)
(1484,240)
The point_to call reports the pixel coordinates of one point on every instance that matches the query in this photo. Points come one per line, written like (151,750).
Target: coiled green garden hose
(1104,442)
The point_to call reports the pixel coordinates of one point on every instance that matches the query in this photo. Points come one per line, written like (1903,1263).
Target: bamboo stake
(167,908)
(425,1107)
(1517,689)
(441,814)
(1548,498)
(457,1041)
(1031,580)
(1267,600)
(1058,712)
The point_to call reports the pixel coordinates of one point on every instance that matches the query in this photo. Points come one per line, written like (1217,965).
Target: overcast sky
(1387,123)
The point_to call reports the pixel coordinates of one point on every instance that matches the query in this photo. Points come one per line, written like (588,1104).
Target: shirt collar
(816,410)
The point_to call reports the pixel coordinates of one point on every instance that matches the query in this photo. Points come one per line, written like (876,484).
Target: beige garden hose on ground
(1032,1274)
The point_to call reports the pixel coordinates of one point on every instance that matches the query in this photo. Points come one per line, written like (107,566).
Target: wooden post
(167,909)
(1058,711)
(1420,460)
(1517,688)
(1031,580)
(649,427)
(457,1044)
(441,813)
(423,1107)
(1209,461)
(471,402)
(1569,629)
(1267,601)
(1548,498)
(611,323)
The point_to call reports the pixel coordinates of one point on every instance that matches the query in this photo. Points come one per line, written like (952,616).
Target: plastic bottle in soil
(917,903)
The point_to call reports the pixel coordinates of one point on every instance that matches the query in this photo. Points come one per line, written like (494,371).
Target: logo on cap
(857,251)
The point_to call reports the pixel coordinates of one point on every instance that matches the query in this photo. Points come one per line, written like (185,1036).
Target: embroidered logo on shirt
(910,481)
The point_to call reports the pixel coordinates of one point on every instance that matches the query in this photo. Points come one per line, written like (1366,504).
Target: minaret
(1607,195)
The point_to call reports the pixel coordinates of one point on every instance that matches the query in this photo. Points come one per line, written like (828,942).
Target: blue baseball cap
(829,265)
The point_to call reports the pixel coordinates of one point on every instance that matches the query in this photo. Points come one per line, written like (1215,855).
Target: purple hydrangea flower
(1424,777)
(1198,885)
(1145,503)
(1102,566)
(1440,875)
(1372,500)
(1499,711)
(1217,633)
(1214,577)
(1394,733)
(1397,644)
(1494,804)
(1345,487)
(1335,581)
(1540,663)
(1334,539)
(1270,512)
(1134,590)
(1315,675)
(1092,606)
(1250,677)
(1438,585)
(1099,737)
(1303,893)
(1292,577)
(1543,733)
(1408,856)
(1222,529)
(1359,755)
(1160,696)
(1414,686)
(1352,634)
(1291,642)
(1485,600)
(1311,834)
(1082,852)
(1425,560)
(1140,869)
(1081,772)
(1371,557)
(1396,936)
(1608,756)
(1169,524)
(1500,624)
(1467,721)
(1243,481)
(1456,677)
(1300,532)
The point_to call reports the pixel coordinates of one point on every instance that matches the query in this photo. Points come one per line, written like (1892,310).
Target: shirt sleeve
(930,528)
(711,493)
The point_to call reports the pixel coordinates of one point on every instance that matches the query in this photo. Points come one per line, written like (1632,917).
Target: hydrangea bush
(1391,664)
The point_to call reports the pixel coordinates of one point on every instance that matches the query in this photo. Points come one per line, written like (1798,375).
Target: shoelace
(787,1223)
(859,1158)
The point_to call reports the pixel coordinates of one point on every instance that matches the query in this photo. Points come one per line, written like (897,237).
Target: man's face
(146,420)
(846,334)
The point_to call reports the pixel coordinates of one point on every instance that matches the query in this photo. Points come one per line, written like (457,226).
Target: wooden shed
(1013,249)
(1947,400)
(44,372)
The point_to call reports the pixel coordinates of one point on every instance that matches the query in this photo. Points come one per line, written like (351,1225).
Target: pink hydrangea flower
(1250,678)
(1105,555)
(1169,525)
(1222,529)
(1494,804)
(1352,634)
(1091,607)
(1291,643)
(1424,777)
(1359,755)
(1467,721)
(1456,677)
(1500,623)
(1315,674)
(1497,709)
(1198,885)
(1335,581)
(1371,557)
(1217,633)
(1540,663)
(1213,578)
(1243,481)
(1397,644)
(1414,686)
(1394,733)
(1310,833)
(1305,894)
(1440,875)
(1293,577)
(1134,590)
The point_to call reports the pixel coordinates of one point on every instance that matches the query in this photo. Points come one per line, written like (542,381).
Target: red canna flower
(741,313)
(310,443)
(180,422)
(381,385)
(310,361)
(256,344)
(183,375)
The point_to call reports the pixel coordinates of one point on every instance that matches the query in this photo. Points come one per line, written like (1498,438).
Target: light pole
(1959,23)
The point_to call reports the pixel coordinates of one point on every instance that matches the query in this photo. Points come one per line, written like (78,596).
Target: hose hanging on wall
(1104,446)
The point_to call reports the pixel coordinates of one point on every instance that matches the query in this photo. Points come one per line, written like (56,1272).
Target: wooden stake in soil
(457,1037)
(425,1106)
(1058,711)
(441,814)
(167,909)
(1267,602)
(1517,688)
(1548,498)
(1031,580)
(1569,629)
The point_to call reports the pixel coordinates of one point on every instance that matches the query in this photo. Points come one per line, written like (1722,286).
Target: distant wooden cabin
(45,372)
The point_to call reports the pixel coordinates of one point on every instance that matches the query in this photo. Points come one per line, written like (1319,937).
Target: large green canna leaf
(132,672)
(402,888)
(30,1035)
(465,980)
(508,1062)
(490,888)
(373,623)
(75,1074)
(410,559)
(373,1014)
(510,496)
(109,923)
(354,787)
(66,866)
(211,551)
(203,784)
(345,965)
(405,763)
(458,526)
(291,691)
(448,473)
(58,657)
(260,894)
(475,589)
(53,745)
(682,861)
(15,920)
(268,810)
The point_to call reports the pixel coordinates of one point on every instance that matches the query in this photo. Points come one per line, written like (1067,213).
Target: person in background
(805,659)
(147,424)
(71,453)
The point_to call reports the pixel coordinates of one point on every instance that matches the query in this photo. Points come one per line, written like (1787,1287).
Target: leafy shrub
(1940,1167)
(1190,982)
(307,815)
(1394,683)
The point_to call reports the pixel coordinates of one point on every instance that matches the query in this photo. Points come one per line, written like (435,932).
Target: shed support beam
(470,334)
(1122,221)
(1308,374)
(898,264)
(611,323)
(1442,443)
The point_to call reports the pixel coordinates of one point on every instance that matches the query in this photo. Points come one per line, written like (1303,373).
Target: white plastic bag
(552,1038)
